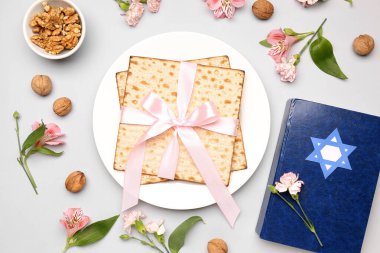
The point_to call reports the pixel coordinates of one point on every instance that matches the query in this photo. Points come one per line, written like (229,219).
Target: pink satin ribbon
(160,118)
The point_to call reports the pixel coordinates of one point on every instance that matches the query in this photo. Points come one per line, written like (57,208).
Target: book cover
(336,152)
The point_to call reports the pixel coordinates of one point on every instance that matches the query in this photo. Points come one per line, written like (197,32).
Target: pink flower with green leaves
(130,219)
(281,44)
(224,8)
(74,221)
(52,133)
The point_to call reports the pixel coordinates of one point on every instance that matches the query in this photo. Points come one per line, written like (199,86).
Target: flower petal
(281,187)
(214,4)
(54,143)
(238,3)
(275,36)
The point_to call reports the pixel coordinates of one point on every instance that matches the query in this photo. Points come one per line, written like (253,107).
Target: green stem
(302,36)
(312,37)
(310,223)
(31,179)
(295,210)
(22,160)
(66,248)
(150,243)
(303,212)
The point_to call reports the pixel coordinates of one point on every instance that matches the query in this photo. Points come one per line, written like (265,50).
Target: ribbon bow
(160,118)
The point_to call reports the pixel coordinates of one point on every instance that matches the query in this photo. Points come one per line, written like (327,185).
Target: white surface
(35,8)
(181,46)
(29,223)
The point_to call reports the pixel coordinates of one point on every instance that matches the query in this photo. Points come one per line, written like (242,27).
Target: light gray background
(29,223)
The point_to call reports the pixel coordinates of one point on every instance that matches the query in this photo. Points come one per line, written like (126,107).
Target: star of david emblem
(331,153)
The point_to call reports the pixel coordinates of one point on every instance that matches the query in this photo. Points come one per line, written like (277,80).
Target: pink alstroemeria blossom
(287,70)
(135,12)
(156,227)
(306,3)
(52,132)
(131,218)
(154,5)
(281,44)
(74,220)
(289,181)
(224,8)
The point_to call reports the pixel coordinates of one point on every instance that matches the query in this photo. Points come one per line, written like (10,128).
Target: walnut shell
(363,45)
(217,246)
(62,106)
(262,9)
(41,85)
(75,181)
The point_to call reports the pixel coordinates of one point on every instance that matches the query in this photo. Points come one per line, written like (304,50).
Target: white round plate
(255,115)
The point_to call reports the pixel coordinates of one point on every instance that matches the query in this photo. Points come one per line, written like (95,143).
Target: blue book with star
(336,154)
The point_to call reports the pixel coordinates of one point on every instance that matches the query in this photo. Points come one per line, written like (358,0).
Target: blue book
(336,152)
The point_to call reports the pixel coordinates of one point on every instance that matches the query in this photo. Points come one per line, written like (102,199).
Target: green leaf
(94,232)
(177,238)
(33,137)
(46,151)
(322,53)
(265,43)
(123,5)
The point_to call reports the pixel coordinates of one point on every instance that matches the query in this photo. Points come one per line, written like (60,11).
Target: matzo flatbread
(214,82)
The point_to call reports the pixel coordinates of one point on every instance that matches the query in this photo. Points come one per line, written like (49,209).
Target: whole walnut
(62,106)
(217,246)
(262,9)
(363,45)
(75,181)
(41,85)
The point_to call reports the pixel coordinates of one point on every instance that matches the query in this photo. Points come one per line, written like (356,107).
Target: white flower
(156,227)
(131,218)
(306,3)
(287,70)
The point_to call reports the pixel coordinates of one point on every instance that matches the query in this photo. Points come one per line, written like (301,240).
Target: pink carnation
(154,5)
(52,133)
(135,12)
(287,70)
(289,182)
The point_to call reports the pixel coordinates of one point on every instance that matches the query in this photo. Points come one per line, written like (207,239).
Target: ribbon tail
(169,160)
(209,174)
(132,177)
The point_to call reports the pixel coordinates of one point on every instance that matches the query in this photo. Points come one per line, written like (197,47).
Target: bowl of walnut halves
(54,29)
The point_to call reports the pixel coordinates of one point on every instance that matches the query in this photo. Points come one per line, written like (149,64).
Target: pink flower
(154,5)
(74,220)
(135,12)
(289,181)
(306,3)
(287,70)
(131,218)
(52,132)
(281,44)
(224,8)
(156,227)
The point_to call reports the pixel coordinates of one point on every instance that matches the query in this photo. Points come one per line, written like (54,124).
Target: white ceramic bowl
(35,8)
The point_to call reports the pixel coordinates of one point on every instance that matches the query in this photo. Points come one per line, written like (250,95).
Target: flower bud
(140,227)
(290,32)
(272,189)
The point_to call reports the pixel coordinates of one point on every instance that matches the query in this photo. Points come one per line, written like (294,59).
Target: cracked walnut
(56,28)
